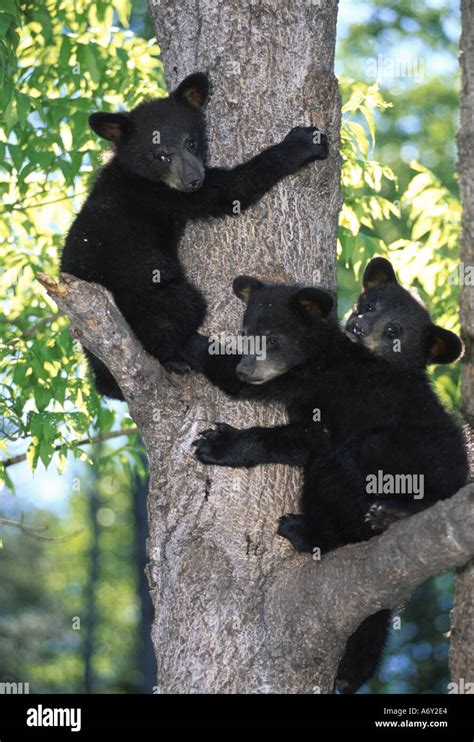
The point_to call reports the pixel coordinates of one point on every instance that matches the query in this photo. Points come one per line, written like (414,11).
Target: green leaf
(360,137)
(23,107)
(43,396)
(11,7)
(36,424)
(106,419)
(11,114)
(44,159)
(6,21)
(46,452)
(19,373)
(6,92)
(32,455)
(87,60)
(65,53)
(59,390)
(348,242)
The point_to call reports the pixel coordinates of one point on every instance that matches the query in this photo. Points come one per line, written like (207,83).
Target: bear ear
(194,90)
(244,285)
(111,126)
(443,346)
(313,302)
(379,271)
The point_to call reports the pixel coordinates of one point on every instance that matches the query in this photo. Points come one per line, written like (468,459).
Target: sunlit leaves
(60,61)
(362,177)
(427,258)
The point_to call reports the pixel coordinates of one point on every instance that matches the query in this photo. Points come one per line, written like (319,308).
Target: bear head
(288,325)
(390,322)
(162,140)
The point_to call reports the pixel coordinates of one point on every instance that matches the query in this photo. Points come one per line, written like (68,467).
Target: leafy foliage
(60,61)
(410,49)
(427,258)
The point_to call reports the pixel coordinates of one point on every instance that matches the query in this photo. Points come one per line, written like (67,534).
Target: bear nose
(195,184)
(359,329)
(242,375)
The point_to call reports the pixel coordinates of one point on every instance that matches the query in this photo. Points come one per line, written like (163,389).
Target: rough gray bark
(213,547)
(462,617)
(461,653)
(290,635)
(465,165)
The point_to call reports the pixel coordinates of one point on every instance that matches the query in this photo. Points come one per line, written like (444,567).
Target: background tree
(462,642)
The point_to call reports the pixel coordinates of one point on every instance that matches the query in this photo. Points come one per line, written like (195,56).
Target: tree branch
(84,442)
(98,324)
(379,573)
(31,331)
(35,533)
(21,206)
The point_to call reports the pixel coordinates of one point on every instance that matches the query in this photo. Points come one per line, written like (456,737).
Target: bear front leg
(229,192)
(228,446)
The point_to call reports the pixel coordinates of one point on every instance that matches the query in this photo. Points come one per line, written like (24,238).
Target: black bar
(130,714)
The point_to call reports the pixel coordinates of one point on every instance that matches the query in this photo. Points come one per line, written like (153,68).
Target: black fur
(127,234)
(377,412)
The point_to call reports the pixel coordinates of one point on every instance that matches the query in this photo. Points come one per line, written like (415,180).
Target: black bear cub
(127,234)
(360,407)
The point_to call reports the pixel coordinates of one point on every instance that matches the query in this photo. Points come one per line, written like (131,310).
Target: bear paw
(214,446)
(313,144)
(379,518)
(177,367)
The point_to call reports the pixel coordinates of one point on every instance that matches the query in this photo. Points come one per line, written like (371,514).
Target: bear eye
(272,342)
(369,307)
(161,157)
(394,330)
(192,144)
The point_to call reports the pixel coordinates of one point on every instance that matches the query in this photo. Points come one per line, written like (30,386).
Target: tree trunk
(465,167)
(462,617)
(213,546)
